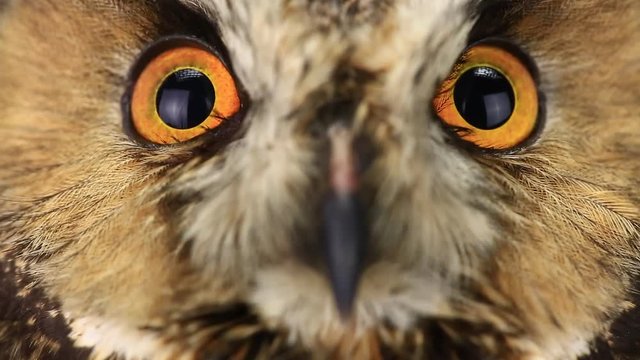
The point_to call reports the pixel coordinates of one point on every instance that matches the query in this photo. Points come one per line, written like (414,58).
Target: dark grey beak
(345,232)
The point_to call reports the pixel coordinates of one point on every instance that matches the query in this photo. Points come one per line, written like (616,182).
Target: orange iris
(468,99)
(181,94)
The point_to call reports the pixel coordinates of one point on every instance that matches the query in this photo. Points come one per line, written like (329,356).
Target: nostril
(339,99)
(365,152)
(338,111)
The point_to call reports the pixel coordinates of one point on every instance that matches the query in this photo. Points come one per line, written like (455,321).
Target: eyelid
(514,49)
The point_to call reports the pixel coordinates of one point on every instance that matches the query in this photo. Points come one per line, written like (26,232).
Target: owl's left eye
(491,98)
(183,92)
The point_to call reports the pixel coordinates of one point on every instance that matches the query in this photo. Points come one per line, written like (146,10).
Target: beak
(345,233)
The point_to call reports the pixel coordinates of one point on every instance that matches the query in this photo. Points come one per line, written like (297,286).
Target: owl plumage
(212,248)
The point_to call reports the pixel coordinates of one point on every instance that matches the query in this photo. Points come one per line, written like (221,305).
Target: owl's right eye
(182,93)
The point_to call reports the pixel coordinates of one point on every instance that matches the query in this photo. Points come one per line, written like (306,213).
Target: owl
(319,179)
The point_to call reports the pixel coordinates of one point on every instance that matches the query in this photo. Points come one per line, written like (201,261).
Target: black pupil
(484,98)
(185,99)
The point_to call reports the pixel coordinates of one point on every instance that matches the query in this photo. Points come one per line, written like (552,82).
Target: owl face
(349,179)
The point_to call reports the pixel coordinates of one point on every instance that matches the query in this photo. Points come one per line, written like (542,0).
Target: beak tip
(345,243)
(345,314)
(344,299)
